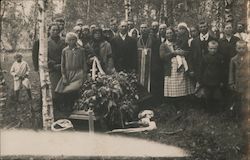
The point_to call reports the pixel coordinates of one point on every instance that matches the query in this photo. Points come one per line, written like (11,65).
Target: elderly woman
(102,50)
(176,82)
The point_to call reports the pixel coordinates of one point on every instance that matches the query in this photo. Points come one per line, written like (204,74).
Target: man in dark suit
(124,49)
(199,49)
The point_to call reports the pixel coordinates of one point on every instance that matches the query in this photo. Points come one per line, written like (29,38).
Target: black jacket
(124,53)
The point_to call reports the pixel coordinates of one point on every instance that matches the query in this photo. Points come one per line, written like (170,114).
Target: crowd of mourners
(185,60)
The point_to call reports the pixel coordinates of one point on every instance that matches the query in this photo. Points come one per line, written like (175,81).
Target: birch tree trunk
(47,103)
(127,5)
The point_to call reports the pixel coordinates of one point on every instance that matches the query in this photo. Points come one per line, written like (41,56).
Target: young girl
(74,71)
(20,71)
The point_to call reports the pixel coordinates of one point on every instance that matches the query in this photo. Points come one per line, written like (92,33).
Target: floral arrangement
(112,96)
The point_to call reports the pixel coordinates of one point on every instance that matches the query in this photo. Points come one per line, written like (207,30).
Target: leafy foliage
(113,96)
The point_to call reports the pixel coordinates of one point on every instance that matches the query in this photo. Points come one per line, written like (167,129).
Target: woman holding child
(176,81)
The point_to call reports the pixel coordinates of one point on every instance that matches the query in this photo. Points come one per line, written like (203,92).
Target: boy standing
(238,76)
(211,75)
(20,71)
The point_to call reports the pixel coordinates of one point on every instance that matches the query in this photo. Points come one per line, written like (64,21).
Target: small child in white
(20,71)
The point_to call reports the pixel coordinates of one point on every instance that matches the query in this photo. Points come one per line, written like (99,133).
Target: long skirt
(75,79)
(178,83)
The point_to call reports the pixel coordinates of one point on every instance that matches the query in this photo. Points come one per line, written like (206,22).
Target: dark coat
(228,50)
(211,70)
(198,50)
(54,54)
(124,53)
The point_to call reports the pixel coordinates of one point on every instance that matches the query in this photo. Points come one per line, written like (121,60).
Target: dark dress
(124,53)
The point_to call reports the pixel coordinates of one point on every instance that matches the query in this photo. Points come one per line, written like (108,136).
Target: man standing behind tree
(124,50)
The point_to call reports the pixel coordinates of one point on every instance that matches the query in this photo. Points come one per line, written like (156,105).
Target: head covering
(155,23)
(77,28)
(18,55)
(85,27)
(143,25)
(182,24)
(93,26)
(162,26)
(70,35)
(131,32)
(79,21)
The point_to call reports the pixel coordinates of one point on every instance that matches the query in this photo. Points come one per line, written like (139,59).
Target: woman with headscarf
(102,50)
(176,81)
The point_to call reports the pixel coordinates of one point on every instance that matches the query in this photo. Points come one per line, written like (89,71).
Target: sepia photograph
(124,79)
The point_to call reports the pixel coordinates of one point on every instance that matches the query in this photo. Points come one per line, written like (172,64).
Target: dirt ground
(207,136)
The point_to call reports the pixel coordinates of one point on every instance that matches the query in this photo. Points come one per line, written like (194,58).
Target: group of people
(176,61)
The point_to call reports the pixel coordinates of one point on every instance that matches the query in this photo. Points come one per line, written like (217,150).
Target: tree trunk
(88,9)
(47,103)
(3,96)
(127,5)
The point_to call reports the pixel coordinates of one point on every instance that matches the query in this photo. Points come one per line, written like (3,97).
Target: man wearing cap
(124,50)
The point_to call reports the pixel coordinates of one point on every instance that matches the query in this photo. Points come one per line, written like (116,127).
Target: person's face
(123,28)
(203,28)
(169,34)
(113,26)
(241,48)
(130,26)
(162,31)
(61,26)
(72,41)
(85,31)
(240,28)
(144,30)
(134,34)
(155,27)
(193,32)
(19,59)
(181,30)
(54,31)
(78,32)
(212,49)
(80,24)
(228,29)
(97,35)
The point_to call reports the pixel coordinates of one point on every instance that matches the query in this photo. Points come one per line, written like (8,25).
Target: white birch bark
(47,103)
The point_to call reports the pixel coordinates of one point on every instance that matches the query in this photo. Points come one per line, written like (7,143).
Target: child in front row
(238,75)
(20,71)
(211,77)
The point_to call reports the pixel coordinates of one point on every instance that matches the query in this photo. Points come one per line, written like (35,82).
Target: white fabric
(96,65)
(204,37)
(181,61)
(243,36)
(123,36)
(19,71)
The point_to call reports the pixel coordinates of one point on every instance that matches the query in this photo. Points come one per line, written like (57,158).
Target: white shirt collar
(202,36)
(123,36)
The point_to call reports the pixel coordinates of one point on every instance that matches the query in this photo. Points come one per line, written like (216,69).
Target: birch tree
(47,103)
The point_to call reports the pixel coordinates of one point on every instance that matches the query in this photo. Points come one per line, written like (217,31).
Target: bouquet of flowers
(112,96)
